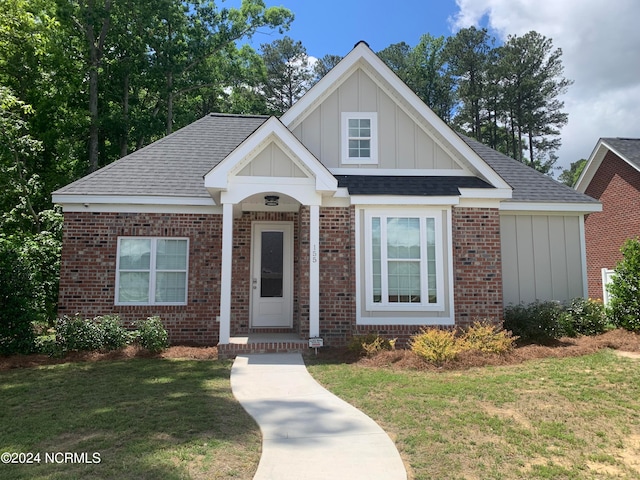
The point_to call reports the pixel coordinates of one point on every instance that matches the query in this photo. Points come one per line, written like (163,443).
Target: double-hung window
(404,261)
(359,137)
(152,271)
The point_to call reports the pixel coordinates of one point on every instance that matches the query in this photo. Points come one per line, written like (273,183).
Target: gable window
(403,261)
(359,137)
(152,271)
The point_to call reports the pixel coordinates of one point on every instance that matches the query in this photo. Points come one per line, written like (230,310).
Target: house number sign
(314,254)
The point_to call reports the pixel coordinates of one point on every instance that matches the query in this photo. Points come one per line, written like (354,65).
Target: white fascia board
(362,53)
(62,199)
(572,208)
(219,176)
(501,193)
(593,163)
(479,203)
(402,200)
(409,172)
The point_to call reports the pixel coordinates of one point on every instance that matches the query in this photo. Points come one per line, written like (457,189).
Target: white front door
(272,275)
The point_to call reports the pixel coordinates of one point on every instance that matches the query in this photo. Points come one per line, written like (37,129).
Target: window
(403,261)
(359,137)
(152,271)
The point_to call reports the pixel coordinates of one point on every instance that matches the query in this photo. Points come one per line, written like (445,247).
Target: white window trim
(152,273)
(423,306)
(373,159)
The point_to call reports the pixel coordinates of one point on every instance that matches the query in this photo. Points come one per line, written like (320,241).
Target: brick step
(231,350)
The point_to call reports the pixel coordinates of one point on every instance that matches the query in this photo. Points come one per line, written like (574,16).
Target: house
(612,176)
(358,210)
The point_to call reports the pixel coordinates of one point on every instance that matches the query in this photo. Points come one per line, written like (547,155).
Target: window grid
(157,276)
(403,260)
(359,142)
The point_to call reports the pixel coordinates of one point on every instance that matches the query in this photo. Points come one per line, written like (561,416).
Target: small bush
(114,335)
(46,344)
(434,345)
(485,337)
(625,288)
(536,322)
(370,344)
(152,334)
(586,317)
(75,334)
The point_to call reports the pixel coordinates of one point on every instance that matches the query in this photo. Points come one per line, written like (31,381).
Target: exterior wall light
(271,200)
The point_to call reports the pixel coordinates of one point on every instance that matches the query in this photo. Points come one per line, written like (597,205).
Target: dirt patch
(131,351)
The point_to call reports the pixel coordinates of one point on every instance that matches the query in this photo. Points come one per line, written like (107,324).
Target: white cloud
(600,41)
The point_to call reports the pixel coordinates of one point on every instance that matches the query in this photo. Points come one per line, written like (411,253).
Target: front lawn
(146,418)
(563,418)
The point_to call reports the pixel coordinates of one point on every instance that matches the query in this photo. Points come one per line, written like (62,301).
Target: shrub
(625,288)
(16,306)
(370,344)
(114,335)
(434,345)
(485,337)
(75,334)
(536,322)
(152,335)
(586,317)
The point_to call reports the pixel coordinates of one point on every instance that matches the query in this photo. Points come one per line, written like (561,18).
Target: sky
(600,40)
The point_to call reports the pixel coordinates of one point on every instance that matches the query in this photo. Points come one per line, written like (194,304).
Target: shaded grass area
(565,418)
(147,418)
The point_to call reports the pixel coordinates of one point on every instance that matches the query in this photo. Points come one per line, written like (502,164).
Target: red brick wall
(477,265)
(88,269)
(617,185)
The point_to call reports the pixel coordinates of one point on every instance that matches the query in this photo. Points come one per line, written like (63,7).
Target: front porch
(262,343)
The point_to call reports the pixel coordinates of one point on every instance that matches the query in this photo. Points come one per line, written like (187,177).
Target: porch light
(271,200)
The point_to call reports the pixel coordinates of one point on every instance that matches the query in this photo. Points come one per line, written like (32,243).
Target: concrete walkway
(307,432)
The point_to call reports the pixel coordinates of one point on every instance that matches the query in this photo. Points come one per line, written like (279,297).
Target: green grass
(571,418)
(147,418)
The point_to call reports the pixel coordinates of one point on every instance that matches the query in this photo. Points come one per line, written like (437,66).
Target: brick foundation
(617,185)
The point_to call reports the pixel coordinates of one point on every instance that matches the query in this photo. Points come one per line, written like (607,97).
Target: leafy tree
(324,65)
(570,176)
(531,78)
(289,74)
(468,55)
(625,286)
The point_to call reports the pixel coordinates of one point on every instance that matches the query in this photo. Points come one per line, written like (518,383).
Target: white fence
(607,274)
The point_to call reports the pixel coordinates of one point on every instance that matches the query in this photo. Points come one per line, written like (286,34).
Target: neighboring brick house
(612,176)
(358,210)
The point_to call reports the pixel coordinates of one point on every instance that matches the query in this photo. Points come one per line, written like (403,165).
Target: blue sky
(600,41)
(335,26)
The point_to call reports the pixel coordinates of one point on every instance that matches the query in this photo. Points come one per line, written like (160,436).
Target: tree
(570,176)
(422,68)
(324,65)
(467,55)
(289,75)
(624,288)
(531,79)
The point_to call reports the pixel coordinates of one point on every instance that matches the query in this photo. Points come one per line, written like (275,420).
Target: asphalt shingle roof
(528,184)
(174,165)
(629,148)
(408,185)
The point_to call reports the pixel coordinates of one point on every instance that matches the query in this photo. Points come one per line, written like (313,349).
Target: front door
(272,275)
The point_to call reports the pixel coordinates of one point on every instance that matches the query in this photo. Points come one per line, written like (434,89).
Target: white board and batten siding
(541,258)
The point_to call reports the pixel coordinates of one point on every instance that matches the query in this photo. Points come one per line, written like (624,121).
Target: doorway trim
(283,309)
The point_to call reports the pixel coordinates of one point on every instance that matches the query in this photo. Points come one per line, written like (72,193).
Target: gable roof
(174,165)
(361,56)
(408,185)
(529,185)
(628,149)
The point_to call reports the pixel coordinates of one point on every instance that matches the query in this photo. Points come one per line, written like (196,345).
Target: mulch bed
(621,340)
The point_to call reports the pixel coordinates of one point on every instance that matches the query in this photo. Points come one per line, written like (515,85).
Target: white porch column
(314,271)
(225,274)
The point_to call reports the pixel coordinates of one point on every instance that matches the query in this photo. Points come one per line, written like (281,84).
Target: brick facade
(477,264)
(87,278)
(617,185)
